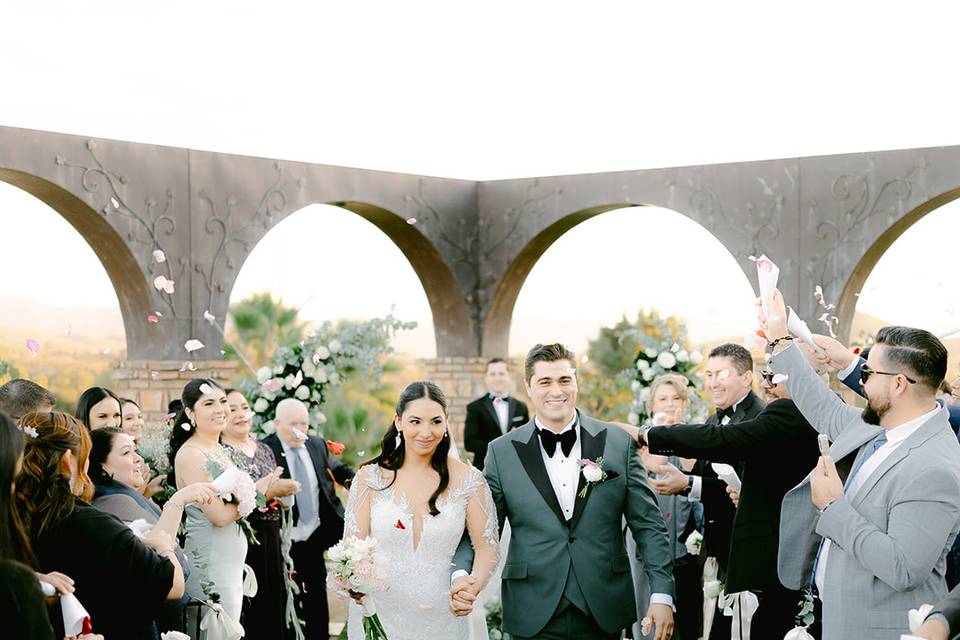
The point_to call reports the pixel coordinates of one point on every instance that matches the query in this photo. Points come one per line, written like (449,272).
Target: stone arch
(110,248)
(498,321)
(452,325)
(847,304)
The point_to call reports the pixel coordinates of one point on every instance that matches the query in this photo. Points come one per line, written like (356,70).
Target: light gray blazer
(890,540)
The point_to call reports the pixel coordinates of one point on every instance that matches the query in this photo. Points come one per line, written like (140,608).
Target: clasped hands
(463,595)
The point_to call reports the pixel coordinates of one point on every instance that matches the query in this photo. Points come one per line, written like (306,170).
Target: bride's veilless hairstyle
(391,455)
(189,397)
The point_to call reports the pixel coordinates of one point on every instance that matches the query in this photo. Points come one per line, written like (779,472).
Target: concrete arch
(110,248)
(846,307)
(497,323)
(452,325)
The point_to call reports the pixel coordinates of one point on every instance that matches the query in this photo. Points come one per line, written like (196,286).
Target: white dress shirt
(895,438)
(303,530)
(697,489)
(502,407)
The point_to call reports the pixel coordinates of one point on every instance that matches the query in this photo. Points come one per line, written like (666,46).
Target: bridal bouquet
(355,570)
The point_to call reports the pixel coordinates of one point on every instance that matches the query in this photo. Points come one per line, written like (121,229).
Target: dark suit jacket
(325,465)
(718,511)
(777,449)
(852,382)
(483,426)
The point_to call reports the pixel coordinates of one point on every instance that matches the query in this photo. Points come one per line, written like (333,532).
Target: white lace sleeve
(482,527)
(356,519)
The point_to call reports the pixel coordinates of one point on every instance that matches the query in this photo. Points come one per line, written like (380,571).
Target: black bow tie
(725,413)
(550,440)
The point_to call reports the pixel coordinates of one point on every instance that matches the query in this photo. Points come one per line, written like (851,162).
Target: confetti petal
(299,434)
(209,317)
(779,378)
(154,375)
(115,203)
(152,319)
(161,283)
(399,525)
(723,375)
(159,256)
(69,329)
(33,346)
(411,221)
(206,389)
(192,345)
(185,426)
(187,366)
(106,351)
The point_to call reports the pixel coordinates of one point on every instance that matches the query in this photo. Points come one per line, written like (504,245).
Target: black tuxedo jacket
(718,510)
(325,465)
(776,450)
(482,425)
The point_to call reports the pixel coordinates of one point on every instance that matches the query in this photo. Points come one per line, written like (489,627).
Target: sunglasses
(767,376)
(866,372)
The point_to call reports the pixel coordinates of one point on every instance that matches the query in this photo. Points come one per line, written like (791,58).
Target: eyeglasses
(767,376)
(866,372)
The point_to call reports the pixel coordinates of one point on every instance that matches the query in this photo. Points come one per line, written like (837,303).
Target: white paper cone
(799,329)
(226,481)
(48,589)
(73,614)
(767,276)
(726,473)
(250,586)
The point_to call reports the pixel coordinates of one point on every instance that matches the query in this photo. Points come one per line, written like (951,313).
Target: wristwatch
(686,492)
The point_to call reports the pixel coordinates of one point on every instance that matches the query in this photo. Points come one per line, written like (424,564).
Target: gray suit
(583,560)
(890,539)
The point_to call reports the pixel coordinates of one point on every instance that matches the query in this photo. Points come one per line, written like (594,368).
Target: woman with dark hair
(131,418)
(264,615)
(215,544)
(98,407)
(120,579)
(417,502)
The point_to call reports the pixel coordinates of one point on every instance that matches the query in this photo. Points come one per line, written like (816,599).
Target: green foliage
(8,371)
(261,326)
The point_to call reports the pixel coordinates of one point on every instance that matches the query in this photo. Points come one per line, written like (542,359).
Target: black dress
(121,583)
(264,615)
(22,606)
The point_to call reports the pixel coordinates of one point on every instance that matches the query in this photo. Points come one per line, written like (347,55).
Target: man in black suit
(729,379)
(777,449)
(494,414)
(317,512)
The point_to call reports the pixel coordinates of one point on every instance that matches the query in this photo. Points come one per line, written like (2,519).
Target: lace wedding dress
(415,604)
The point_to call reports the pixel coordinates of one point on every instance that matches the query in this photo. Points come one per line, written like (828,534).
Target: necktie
(304,500)
(870,449)
(549,439)
(724,413)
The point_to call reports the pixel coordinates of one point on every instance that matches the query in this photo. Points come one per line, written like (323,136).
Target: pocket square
(516,418)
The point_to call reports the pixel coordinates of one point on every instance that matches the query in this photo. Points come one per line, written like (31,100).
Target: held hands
(661,617)
(282,488)
(734,496)
(62,583)
(932,630)
(835,356)
(825,484)
(669,480)
(463,595)
(197,493)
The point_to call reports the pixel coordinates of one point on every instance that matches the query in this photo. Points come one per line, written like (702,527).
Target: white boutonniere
(592,474)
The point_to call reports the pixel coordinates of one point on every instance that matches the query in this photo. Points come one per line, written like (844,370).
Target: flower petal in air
(192,345)
(33,346)
(209,317)
(779,378)
(159,256)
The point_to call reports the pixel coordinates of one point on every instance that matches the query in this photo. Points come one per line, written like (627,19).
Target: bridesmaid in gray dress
(669,396)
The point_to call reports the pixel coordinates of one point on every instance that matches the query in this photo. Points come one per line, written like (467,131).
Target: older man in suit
(494,414)
(317,512)
(870,527)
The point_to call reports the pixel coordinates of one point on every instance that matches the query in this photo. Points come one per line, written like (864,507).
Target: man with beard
(870,527)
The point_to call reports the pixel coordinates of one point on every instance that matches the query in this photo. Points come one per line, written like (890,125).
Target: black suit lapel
(488,402)
(532,461)
(591,448)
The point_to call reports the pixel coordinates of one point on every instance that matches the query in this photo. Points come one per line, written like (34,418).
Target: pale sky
(483,91)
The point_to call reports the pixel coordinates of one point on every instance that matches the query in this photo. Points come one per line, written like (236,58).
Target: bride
(417,501)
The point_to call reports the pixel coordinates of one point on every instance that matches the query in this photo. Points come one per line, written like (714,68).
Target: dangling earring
(446,434)
(398,440)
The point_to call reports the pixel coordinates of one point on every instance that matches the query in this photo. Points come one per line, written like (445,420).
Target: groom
(567,574)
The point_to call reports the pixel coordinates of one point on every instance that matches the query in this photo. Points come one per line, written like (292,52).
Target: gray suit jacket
(545,550)
(890,539)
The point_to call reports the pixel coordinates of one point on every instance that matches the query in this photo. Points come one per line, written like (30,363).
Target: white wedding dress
(415,604)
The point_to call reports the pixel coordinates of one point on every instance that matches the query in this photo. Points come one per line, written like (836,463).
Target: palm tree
(261,325)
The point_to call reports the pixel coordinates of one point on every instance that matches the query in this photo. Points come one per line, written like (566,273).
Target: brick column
(153,383)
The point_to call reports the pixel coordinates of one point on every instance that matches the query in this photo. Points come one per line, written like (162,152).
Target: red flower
(761,334)
(399,525)
(336,448)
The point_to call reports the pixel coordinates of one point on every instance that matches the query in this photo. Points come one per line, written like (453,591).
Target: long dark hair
(13,541)
(44,496)
(391,455)
(188,399)
(89,398)
(101,444)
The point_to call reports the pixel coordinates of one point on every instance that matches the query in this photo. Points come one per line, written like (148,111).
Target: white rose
(321,375)
(174,635)
(712,589)
(635,386)
(645,394)
(308,370)
(263,374)
(651,352)
(316,395)
(648,374)
(290,382)
(798,633)
(335,346)
(334,378)
(667,360)
(694,542)
(321,419)
(261,405)
(696,357)
(633,418)
(268,427)
(683,356)
(322,353)
(302,392)
(592,473)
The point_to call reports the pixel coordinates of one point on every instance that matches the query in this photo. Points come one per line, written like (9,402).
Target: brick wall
(153,383)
